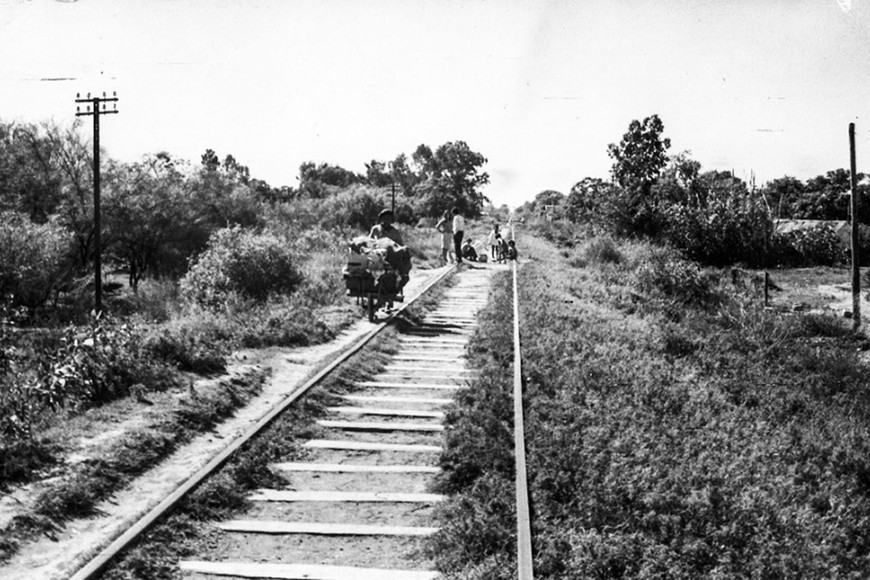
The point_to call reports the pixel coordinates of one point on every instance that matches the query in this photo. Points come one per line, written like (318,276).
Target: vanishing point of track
(360,505)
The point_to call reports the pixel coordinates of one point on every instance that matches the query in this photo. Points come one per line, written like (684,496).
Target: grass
(119,460)
(666,439)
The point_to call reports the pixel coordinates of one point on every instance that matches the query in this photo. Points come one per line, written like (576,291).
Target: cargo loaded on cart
(376,272)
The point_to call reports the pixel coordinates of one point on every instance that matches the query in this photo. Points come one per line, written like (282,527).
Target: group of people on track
(455,248)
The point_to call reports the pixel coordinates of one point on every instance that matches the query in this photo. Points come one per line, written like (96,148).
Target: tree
(265,192)
(679,182)
(401,174)
(222,202)
(235,171)
(29,179)
(584,201)
(153,222)
(825,197)
(641,155)
(159,214)
(72,159)
(638,160)
(425,165)
(317,181)
(685,169)
(450,177)
(781,194)
(210,161)
(377,174)
(548,197)
(33,260)
(392,173)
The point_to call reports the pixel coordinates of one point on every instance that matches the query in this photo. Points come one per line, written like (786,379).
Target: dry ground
(822,289)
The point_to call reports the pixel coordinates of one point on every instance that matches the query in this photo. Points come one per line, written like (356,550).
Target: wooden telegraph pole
(96,107)
(856,270)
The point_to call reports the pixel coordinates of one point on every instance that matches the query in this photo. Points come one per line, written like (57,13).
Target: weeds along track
(357,505)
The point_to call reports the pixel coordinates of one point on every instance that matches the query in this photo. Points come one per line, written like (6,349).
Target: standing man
(458,230)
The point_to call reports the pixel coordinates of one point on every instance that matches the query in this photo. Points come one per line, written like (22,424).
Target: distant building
(840,227)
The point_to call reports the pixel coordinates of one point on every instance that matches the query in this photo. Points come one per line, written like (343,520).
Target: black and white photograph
(434,289)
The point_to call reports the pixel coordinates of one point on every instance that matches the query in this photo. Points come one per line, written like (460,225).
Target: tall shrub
(33,260)
(356,207)
(814,247)
(730,228)
(240,262)
(664,273)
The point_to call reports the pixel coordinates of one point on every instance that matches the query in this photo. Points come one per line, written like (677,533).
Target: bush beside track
(675,429)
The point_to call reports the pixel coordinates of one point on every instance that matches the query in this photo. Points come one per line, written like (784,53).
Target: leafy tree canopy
(641,155)
(824,197)
(377,174)
(781,193)
(585,199)
(451,177)
(317,181)
(549,197)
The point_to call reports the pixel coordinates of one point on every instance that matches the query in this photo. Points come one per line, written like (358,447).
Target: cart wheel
(371,308)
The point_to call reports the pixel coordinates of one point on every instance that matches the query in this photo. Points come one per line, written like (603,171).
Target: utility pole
(95,108)
(856,269)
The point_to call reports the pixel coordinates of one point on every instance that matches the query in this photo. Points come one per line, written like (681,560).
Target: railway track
(357,506)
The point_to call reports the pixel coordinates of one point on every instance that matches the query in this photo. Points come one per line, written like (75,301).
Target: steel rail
(90,570)
(524,529)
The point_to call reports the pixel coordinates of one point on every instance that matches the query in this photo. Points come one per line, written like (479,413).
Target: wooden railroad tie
(319,529)
(297,571)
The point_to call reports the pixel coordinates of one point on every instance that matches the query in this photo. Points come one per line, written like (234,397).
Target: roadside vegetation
(675,427)
(714,217)
(199,260)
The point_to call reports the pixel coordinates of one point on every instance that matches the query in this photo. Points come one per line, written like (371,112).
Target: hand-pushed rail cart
(373,291)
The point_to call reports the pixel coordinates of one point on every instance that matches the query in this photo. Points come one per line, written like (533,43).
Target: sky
(764,88)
